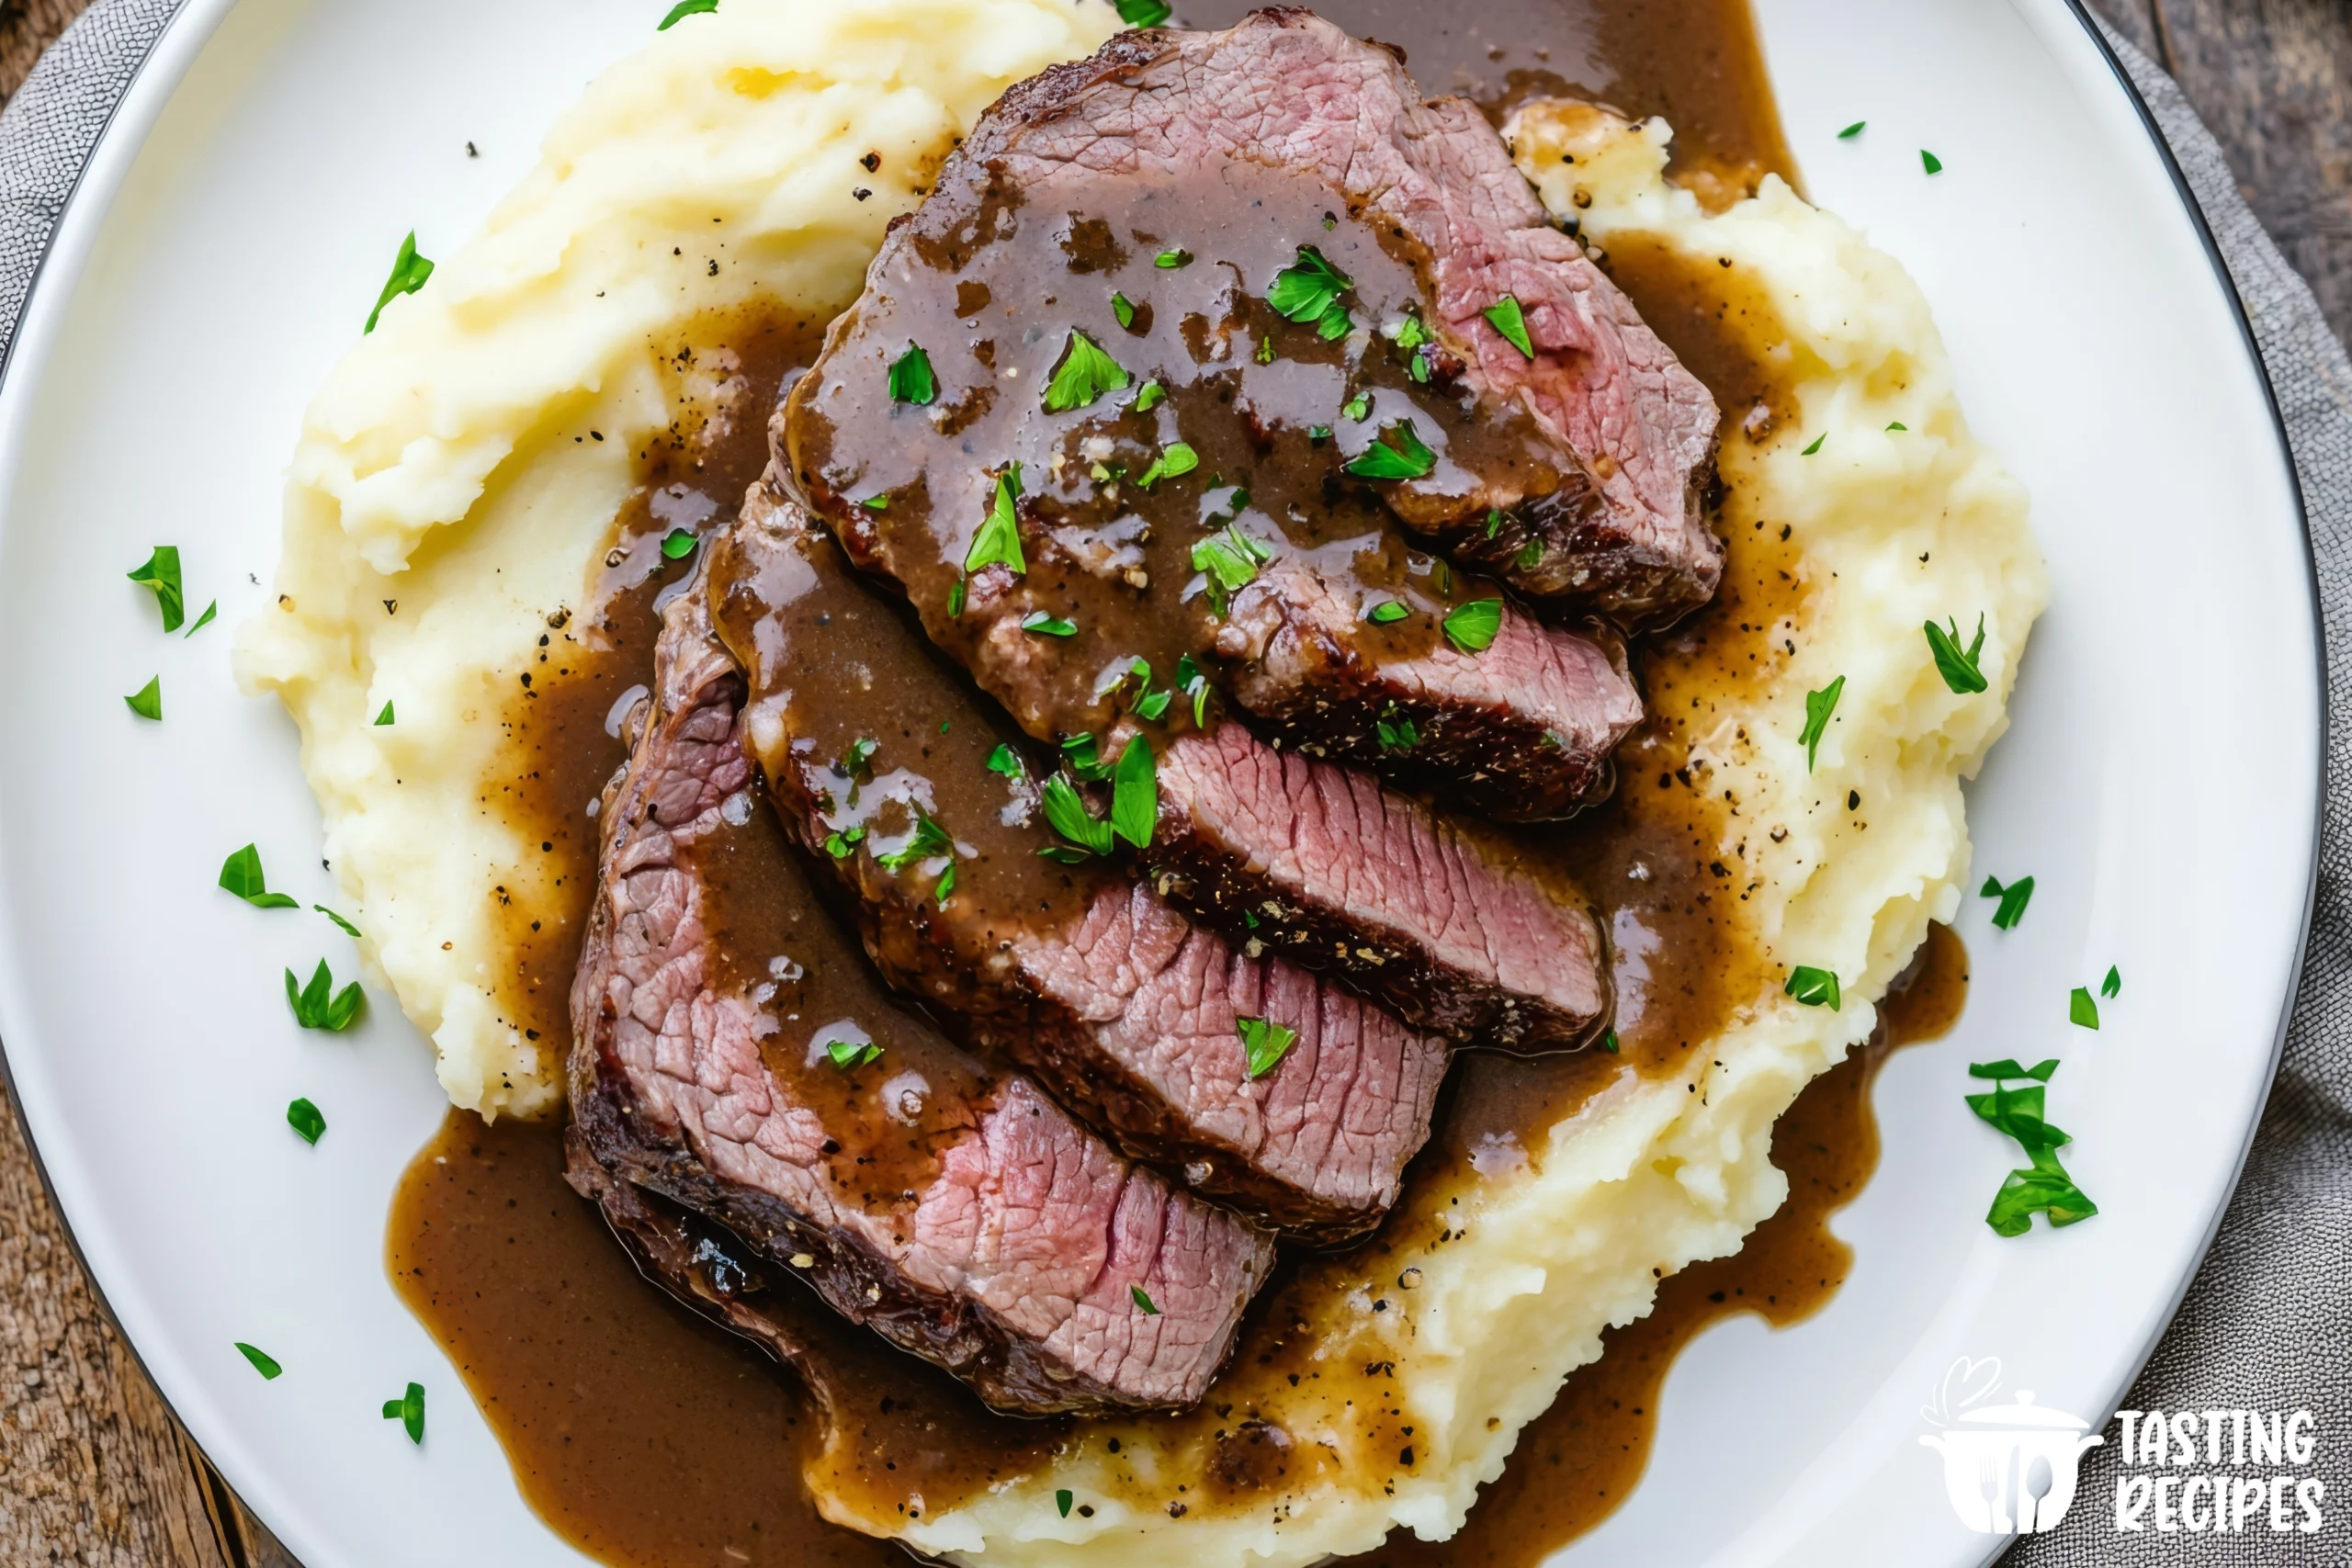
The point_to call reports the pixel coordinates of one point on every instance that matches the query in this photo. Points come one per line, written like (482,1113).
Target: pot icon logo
(2009,1469)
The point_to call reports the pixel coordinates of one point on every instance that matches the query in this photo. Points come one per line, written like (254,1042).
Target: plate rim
(81,214)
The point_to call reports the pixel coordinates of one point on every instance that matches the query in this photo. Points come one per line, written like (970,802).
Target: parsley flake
(677,545)
(1265,1042)
(1143,1301)
(408,1409)
(1931,163)
(205,619)
(1039,624)
(1174,258)
(1530,557)
(1175,459)
(2081,1010)
(929,840)
(1507,318)
(2112,987)
(1066,813)
(1125,309)
(1816,444)
(1853,130)
(683,9)
(1195,685)
(306,1121)
(1062,1501)
(1085,372)
(263,1361)
(319,1005)
(1229,559)
(1959,669)
(1005,759)
(1386,613)
(911,380)
(162,573)
(2043,1187)
(1818,706)
(341,924)
(1148,396)
(998,542)
(2011,909)
(1814,988)
(843,844)
(1358,408)
(148,701)
(1472,626)
(1401,735)
(1309,291)
(1396,454)
(1135,793)
(384,718)
(409,272)
(1609,1041)
(848,1053)
(240,874)
(1898,424)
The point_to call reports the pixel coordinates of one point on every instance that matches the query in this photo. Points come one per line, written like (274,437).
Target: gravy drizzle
(649,1438)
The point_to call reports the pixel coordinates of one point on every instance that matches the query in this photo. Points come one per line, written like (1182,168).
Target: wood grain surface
(94,1470)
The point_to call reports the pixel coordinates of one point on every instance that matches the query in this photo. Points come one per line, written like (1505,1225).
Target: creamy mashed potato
(459,476)
(443,468)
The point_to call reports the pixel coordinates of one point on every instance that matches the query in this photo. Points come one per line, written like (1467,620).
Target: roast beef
(733,1055)
(1178,336)
(909,787)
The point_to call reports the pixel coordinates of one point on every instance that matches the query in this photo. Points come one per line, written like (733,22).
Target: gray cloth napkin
(2267,1325)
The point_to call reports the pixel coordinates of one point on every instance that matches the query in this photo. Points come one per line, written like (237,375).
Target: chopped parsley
(2011,909)
(1195,685)
(843,844)
(1530,557)
(1175,459)
(1085,372)
(1039,624)
(384,718)
(1266,349)
(1387,611)
(148,701)
(1608,1040)
(341,924)
(1152,705)
(1931,163)
(1400,735)
(408,1409)
(955,598)
(998,542)
(1135,793)
(240,874)
(1494,521)
(1396,454)
(2081,1010)
(305,1119)
(1507,318)
(876,503)
(1959,668)
(319,1005)
(1229,559)
(1265,1042)
(1318,434)
(911,380)
(1818,706)
(1125,309)
(409,272)
(928,842)
(162,573)
(685,8)
(1816,444)
(1814,988)
(1136,1291)
(1148,396)
(1083,753)
(1472,626)
(677,544)
(1358,408)
(2043,1187)
(857,763)
(1006,761)
(1062,1501)
(205,619)
(848,1053)
(2112,987)
(263,1362)
(1897,424)
(1175,258)
(1066,813)
(1309,291)
(1143,13)
(1853,130)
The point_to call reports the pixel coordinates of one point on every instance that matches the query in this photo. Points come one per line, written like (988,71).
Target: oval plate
(206,277)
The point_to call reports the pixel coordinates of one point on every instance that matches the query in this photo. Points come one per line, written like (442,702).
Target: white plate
(2160,784)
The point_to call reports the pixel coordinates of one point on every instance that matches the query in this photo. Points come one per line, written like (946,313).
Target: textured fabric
(2268,1323)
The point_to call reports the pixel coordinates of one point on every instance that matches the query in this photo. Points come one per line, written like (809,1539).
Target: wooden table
(93,1469)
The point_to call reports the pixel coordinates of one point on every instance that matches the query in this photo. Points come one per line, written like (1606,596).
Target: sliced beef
(912,790)
(1321,864)
(1181,333)
(733,1056)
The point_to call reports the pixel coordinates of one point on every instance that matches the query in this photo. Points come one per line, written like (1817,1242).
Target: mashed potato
(459,474)
(441,469)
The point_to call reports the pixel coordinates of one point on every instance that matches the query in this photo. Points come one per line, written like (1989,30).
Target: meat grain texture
(1650,1177)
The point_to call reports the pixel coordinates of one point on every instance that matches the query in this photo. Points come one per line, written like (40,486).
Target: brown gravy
(649,1439)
